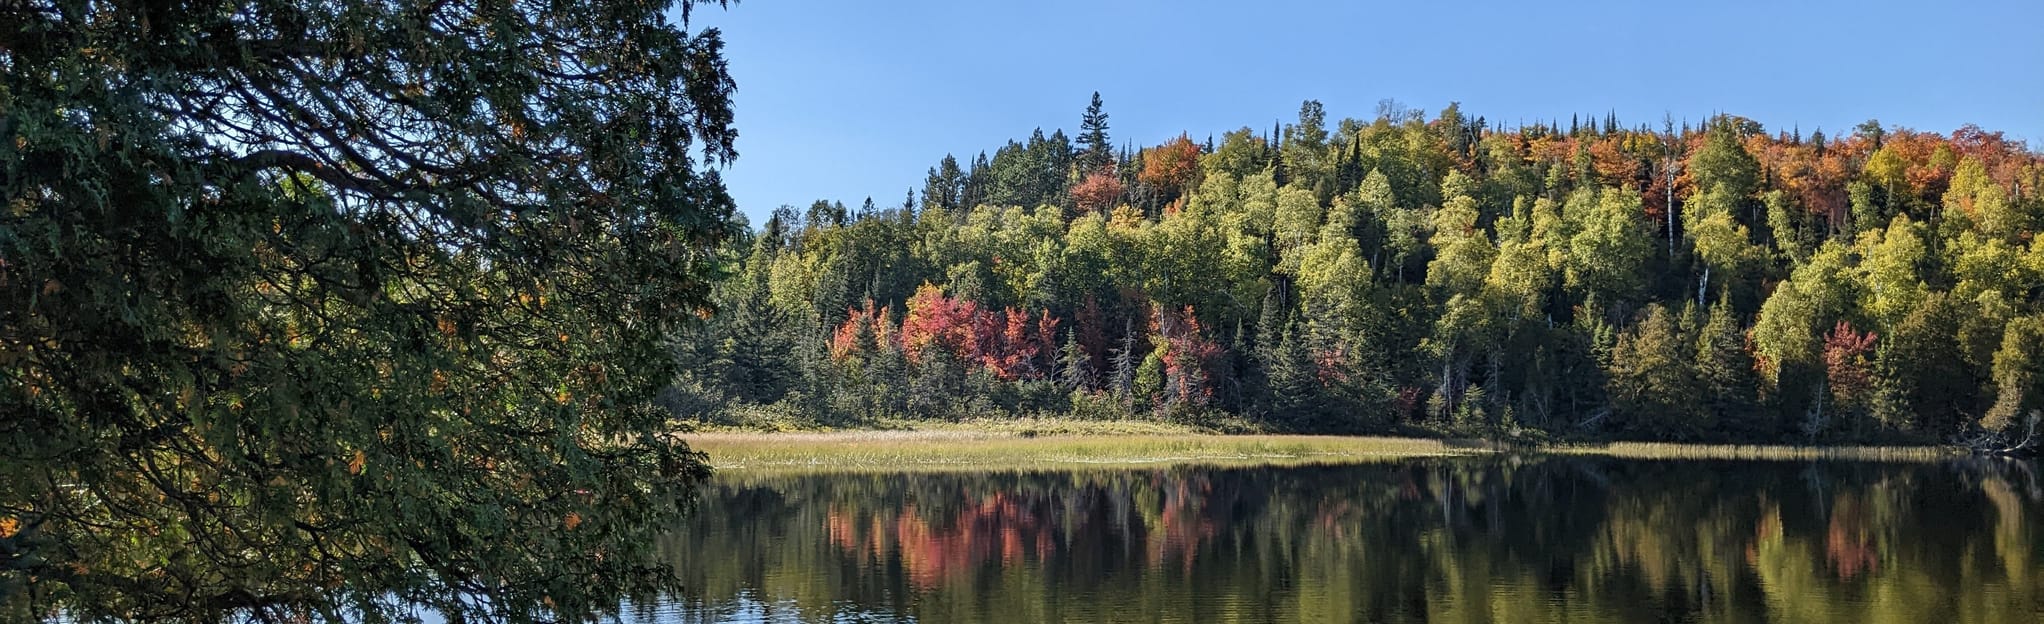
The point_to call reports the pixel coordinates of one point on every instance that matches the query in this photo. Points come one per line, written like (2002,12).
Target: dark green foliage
(1727,385)
(1653,390)
(349,311)
(745,353)
(945,186)
(1094,149)
(1294,386)
(1930,386)
(1029,174)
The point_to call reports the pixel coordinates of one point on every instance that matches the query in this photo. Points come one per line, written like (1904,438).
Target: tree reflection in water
(1441,540)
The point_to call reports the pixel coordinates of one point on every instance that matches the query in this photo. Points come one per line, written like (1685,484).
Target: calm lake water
(1486,539)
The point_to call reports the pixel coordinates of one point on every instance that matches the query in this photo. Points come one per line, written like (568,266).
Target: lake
(1442,539)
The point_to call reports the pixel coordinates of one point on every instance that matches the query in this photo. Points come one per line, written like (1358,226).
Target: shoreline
(956,446)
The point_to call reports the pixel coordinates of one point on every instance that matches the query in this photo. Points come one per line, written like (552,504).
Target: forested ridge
(1715,281)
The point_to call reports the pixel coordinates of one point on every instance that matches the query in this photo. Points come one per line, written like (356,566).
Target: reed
(982,450)
(1666,450)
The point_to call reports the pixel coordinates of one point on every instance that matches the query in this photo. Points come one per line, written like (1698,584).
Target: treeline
(1716,282)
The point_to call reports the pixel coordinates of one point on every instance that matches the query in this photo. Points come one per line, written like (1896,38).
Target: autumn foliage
(1389,273)
(1847,363)
(935,321)
(1189,354)
(1012,344)
(1097,192)
(1170,166)
(864,328)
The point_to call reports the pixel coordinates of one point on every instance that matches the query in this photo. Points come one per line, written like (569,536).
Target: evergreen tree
(1724,372)
(1653,389)
(978,183)
(945,187)
(1294,387)
(345,309)
(1932,388)
(1094,149)
(1303,148)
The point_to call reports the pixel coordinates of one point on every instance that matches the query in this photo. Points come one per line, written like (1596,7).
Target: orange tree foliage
(1189,355)
(936,321)
(1018,349)
(1171,166)
(1010,343)
(1816,180)
(1098,191)
(864,328)
(1847,365)
(1914,164)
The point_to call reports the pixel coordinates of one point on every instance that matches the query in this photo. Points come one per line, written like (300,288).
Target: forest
(1440,275)
(362,311)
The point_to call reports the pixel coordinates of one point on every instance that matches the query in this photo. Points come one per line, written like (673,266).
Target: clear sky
(845,100)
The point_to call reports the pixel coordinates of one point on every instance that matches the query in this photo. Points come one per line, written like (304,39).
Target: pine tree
(1094,149)
(945,185)
(1652,386)
(978,181)
(1296,390)
(1270,327)
(1725,373)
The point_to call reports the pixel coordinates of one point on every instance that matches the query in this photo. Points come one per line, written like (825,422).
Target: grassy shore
(973,450)
(1663,450)
(1040,444)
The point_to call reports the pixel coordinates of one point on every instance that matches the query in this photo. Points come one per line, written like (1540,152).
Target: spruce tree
(1724,372)
(1094,149)
(944,187)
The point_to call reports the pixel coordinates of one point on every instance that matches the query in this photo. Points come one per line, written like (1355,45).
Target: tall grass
(1024,444)
(1664,450)
(981,450)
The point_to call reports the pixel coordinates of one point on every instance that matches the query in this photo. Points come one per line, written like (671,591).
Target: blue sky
(845,100)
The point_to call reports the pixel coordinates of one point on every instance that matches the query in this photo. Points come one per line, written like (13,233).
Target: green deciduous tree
(1892,262)
(1815,295)
(1608,253)
(2018,376)
(1721,242)
(1723,162)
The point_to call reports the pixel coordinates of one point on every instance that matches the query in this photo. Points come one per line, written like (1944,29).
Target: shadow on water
(1471,539)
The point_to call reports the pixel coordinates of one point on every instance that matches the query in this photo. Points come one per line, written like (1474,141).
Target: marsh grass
(1035,444)
(999,426)
(980,450)
(1663,450)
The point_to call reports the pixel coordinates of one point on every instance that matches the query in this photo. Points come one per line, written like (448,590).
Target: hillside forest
(1588,279)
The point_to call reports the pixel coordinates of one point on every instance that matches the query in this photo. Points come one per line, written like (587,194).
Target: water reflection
(1445,540)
